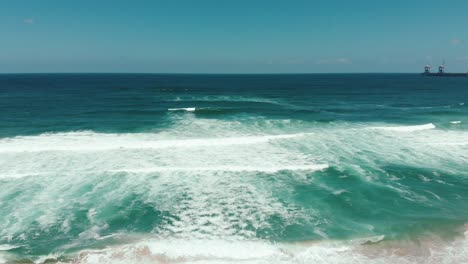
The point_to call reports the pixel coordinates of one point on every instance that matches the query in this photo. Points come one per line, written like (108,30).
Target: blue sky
(208,36)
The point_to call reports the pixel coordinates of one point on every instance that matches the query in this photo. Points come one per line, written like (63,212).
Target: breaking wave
(225,251)
(406,128)
(188,109)
(91,141)
(227,191)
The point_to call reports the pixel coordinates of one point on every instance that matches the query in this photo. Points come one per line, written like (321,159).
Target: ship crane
(441,69)
(427,69)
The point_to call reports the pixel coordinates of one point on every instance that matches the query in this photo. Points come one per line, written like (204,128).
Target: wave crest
(405,128)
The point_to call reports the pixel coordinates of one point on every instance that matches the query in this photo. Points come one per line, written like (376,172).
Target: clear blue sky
(214,36)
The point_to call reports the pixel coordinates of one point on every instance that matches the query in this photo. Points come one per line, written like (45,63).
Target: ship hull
(446,74)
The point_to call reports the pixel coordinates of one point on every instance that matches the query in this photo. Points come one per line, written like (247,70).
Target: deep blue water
(32,104)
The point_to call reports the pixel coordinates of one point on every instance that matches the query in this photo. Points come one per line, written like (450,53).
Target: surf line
(270,169)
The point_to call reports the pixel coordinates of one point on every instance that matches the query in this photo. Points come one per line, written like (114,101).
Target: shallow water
(229,168)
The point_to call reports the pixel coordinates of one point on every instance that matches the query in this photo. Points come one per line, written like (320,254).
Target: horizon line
(208,73)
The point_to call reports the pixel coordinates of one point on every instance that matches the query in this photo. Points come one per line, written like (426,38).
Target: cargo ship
(441,72)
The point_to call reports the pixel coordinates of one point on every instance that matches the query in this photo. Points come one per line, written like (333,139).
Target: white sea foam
(188,109)
(369,240)
(405,128)
(236,99)
(164,169)
(90,141)
(7,247)
(455,122)
(5,257)
(270,169)
(226,251)
(218,98)
(449,143)
(210,186)
(179,251)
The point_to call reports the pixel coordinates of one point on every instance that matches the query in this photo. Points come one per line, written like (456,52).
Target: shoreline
(427,249)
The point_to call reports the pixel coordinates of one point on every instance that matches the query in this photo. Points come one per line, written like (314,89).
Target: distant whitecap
(187,109)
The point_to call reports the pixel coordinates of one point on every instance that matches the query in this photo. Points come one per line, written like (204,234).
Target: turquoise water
(233,168)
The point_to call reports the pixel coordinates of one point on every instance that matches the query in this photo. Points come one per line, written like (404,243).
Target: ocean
(161,168)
